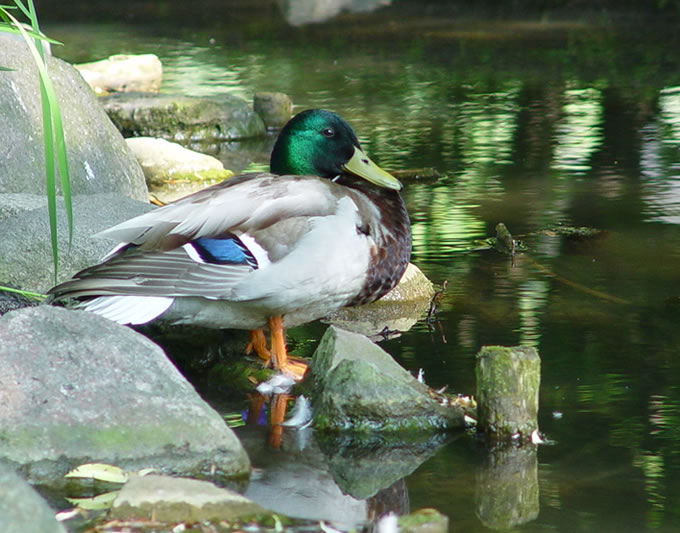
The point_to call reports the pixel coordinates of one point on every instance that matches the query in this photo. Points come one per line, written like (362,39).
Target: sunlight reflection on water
(579,133)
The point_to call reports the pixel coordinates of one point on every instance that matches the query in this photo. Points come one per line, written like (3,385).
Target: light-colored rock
(275,108)
(397,311)
(164,161)
(26,249)
(124,73)
(168,499)
(99,160)
(14,203)
(78,388)
(22,509)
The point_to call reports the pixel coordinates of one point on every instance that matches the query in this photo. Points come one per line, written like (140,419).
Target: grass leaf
(27,294)
(53,135)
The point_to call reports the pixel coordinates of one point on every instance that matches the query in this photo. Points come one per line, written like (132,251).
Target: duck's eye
(328,132)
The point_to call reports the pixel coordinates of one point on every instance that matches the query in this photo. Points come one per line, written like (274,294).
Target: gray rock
(274,108)
(358,386)
(26,250)
(99,159)
(22,509)
(14,203)
(183,118)
(168,499)
(77,388)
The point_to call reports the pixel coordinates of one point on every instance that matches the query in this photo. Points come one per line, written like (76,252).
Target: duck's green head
(320,143)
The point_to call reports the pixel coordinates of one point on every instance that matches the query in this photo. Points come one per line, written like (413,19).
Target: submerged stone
(425,520)
(77,388)
(359,387)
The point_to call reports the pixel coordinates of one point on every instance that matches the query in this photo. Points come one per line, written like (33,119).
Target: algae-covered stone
(183,118)
(425,520)
(359,386)
(274,108)
(168,499)
(164,161)
(508,382)
(78,388)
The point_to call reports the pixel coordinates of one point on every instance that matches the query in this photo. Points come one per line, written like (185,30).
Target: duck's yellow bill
(361,165)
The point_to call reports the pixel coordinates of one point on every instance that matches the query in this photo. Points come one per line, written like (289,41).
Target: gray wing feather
(171,273)
(258,201)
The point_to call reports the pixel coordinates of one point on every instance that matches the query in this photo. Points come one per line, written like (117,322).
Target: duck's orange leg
(279,353)
(258,344)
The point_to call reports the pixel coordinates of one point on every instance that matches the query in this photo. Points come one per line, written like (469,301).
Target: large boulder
(77,388)
(99,159)
(26,250)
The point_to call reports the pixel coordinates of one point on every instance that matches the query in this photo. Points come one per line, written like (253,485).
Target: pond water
(535,121)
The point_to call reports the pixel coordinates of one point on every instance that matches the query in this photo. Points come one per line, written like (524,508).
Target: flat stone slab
(184,119)
(168,499)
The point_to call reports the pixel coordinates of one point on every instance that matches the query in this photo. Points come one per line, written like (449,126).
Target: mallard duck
(326,228)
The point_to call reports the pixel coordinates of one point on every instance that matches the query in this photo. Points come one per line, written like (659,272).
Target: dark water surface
(533,120)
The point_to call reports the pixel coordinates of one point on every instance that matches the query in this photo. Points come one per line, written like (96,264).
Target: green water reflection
(533,123)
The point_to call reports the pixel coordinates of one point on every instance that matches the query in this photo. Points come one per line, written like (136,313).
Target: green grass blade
(52,123)
(19,4)
(9,28)
(27,294)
